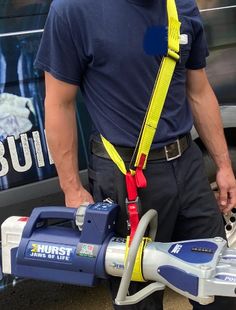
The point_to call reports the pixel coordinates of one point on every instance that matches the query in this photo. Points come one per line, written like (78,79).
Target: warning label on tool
(87,250)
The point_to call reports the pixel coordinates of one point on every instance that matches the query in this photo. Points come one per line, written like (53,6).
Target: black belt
(168,152)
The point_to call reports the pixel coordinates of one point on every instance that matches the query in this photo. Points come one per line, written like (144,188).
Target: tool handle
(42,213)
(148,219)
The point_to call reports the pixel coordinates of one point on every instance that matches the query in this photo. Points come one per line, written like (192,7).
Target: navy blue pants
(187,209)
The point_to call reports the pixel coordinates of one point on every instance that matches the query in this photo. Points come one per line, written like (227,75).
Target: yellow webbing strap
(158,97)
(114,155)
(161,85)
(137,274)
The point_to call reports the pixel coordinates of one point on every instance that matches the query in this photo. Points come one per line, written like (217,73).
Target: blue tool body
(195,252)
(65,254)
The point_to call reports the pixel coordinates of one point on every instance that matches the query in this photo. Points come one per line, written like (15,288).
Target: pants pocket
(106,181)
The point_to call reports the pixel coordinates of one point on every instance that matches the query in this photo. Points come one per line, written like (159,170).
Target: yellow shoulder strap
(158,96)
(161,85)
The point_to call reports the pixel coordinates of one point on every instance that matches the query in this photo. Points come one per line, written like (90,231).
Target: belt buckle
(169,158)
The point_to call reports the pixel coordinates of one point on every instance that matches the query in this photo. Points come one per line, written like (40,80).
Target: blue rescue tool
(84,249)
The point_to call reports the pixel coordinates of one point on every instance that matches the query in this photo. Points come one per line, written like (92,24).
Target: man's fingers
(89,199)
(231,202)
(226,182)
(78,198)
(223,197)
(231,199)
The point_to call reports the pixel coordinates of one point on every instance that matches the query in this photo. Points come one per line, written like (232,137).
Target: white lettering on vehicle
(15,157)
(21,154)
(4,167)
(38,149)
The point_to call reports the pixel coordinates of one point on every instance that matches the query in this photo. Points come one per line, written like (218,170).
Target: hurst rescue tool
(79,246)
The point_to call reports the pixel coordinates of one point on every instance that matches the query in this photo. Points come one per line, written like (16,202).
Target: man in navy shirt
(102,47)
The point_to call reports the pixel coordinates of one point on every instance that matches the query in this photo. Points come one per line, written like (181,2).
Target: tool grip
(42,213)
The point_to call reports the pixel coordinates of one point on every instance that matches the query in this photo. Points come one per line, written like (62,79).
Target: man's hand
(227,189)
(77,198)
(207,121)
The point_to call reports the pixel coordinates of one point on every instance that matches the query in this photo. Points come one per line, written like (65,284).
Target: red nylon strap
(140,179)
(131,187)
(132,207)
(133,219)
(132,183)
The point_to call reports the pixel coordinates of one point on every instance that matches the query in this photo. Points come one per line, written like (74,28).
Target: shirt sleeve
(57,52)
(199,50)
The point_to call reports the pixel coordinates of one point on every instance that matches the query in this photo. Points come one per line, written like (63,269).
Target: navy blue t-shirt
(99,46)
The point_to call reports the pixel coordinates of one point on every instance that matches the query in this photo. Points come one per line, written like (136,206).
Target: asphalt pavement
(32,295)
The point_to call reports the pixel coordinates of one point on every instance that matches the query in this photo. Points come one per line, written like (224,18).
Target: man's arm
(207,120)
(61,130)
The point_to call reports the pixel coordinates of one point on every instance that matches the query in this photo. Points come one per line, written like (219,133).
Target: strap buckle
(133,216)
(169,157)
(174,55)
(136,202)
